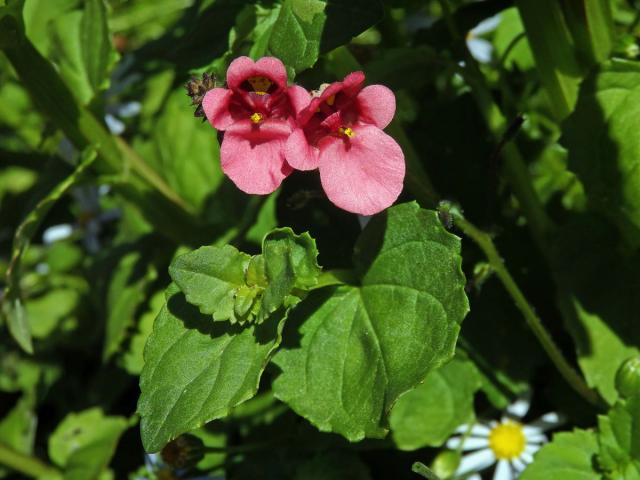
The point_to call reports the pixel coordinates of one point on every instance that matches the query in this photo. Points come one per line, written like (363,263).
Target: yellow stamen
(256,117)
(347,132)
(507,440)
(260,85)
(331,100)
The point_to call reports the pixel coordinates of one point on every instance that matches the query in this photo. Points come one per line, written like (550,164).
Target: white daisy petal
(548,421)
(487,25)
(475,476)
(533,435)
(477,430)
(532,448)
(518,465)
(520,407)
(57,232)
(480,49)
(503,471)
(469,443)
(526,457)
(476,461)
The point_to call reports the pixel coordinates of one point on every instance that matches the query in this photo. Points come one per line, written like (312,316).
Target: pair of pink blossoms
(272,128)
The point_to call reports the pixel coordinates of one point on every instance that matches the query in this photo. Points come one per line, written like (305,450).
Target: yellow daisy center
(347,132)
(507,440)
(256,117)
(260,85)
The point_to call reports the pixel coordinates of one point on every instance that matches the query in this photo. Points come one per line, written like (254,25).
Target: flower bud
(183,452)
(628,377)
(446,463)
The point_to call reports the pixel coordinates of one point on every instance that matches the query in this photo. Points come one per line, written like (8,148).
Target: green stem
(484,241)
(25,464)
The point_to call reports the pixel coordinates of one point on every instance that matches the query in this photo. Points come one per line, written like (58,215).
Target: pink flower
(257,112)
(340,132)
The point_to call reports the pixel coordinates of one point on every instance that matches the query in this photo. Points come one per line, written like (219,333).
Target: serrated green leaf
(289,262)
(362,347)
(13,309)
(604,148)
(619,440)
(430,413)
(195,370)
(84,442)
(304,28)
(570,456)
(210,278)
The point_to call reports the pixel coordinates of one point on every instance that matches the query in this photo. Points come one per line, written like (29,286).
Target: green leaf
(18,427)
(13,310)
(210,278)
(133,361)
(231,285)
(82,48)
(84,442)
(619,440)
(98,54)
(598,299)
(304,28)
(195,369)
(289,262)
(604,149)
(570,456)
(127,291)
(184,151)
(429,414)
(362,347)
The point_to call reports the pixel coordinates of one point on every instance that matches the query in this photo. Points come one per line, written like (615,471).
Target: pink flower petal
(243,67)
(377,105)
(252,156)
(299,154)
(363,174)
(216,107)
(352,83)
(299,98)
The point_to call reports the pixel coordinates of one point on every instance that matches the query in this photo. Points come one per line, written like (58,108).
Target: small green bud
(446,463)
(628,377)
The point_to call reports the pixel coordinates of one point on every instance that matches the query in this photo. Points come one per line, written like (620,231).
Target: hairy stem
(484,241)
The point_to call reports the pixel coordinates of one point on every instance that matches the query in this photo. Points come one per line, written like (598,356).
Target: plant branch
(484,241)
(25,464)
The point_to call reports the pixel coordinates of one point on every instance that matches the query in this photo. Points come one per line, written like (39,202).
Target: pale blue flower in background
(480,48)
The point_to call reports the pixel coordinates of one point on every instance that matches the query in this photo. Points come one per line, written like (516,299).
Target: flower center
(256,117)
(331,100)
(507,440)
(260,85)
(347,132)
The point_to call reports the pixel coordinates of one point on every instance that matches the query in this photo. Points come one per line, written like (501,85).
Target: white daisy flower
(509,443)
(480,48)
